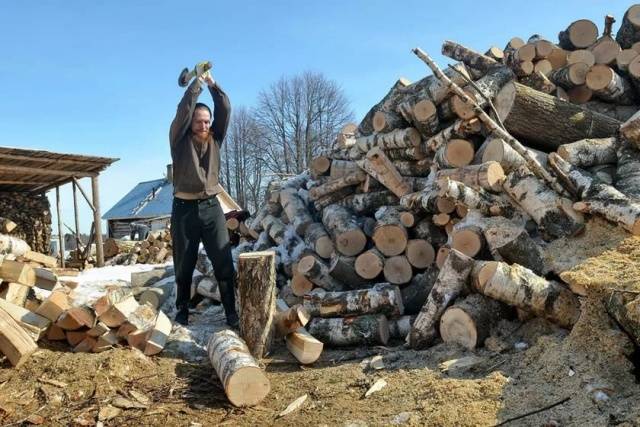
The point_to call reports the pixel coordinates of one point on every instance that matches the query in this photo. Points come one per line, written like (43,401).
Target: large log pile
(32,215)
(428,218)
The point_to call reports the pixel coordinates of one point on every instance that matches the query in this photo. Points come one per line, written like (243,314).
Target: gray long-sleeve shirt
(195,166)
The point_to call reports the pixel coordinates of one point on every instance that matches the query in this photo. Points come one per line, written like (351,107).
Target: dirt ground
(588,372)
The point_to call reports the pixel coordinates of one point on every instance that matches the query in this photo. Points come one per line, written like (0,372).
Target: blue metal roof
(146,200)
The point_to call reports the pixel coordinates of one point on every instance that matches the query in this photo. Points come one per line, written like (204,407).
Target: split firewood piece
(539,81)
(551,212)
(469,321)
(14,293)
(397,270)
(362,330)
(399,328)
(478,199)
(76,318)
(546,122)
(460,129)
(14,246)
(55,304)
(105,341)
(487,87)
(304,347)
(45,279)
(55,333)
(275,227)
(295,209)
(6,225)
(488,176)
(15,342)
(35,325)
(398,138)
(46,260)
(472,59)
(98,330)
(378,165)
(244,382)
(629,32)
(341,225)
(610,86)
(382,298)
(420,253)
(590,152)
(246,231)
(597,197)
(119,312)
(570,76)
(578,35)
(158,294)
(415,294)
(389,236)
(257,291)
(511,243)
(624,307)
(497,150)
(450,283)
(288,320)
(522,288)
(369,264)
(455,153)
(628,169)
(17,272)
(343,269)
(354,178)
(158,335)
(492,126)
(75,337)
(318,272)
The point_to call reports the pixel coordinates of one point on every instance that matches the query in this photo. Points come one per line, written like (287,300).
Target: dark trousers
(193,221)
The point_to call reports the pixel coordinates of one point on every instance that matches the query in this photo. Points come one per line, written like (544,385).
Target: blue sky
(99,77)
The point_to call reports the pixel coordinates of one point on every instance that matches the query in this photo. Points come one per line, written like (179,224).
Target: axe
(186,75)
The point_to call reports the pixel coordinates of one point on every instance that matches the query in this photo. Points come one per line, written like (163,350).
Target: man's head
(201,121)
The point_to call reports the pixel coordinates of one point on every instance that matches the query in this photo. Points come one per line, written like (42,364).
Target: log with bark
(488,175)
(460,129)
(578,35)
(257,296)
(347,235)
(244,382)
(628,169)
(472,59)
(113,247)
(367,203)
(455,153)
(378,165)
(318,272)
(353,178)
(479,199)
(382,298)
(390,235)
(343,269)
(497,150)
(570,76)
(362,330)
(511,243)
(427,230)
(484,89)
(629,31)
(295,209)
(366,125)
(415,294)
(522,288)
(624,307)
(609,86)
(590,152)
(397,270)
(317,238)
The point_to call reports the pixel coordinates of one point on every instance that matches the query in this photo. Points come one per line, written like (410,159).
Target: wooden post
(97,220)
(76,218)
(60,235)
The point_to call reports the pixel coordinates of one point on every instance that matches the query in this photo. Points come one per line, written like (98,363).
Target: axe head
(183,79)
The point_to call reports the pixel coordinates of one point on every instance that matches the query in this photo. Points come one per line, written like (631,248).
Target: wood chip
(108,412)
(121,402)
(140,397)
(463,363)
(377,386)
(35,419)
(296,404)
(53,382)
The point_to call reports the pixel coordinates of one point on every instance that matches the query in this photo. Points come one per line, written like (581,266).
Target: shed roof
(26,170)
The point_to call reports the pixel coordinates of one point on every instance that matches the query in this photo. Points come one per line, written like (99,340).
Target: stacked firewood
(155,249)
(429,218)
(32,215)
(122,315)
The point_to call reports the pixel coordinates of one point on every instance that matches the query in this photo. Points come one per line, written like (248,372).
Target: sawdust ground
(529,366)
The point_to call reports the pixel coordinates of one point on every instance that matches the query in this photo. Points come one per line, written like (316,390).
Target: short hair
(200,106)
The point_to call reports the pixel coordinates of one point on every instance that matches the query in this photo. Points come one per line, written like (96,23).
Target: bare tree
(299,116)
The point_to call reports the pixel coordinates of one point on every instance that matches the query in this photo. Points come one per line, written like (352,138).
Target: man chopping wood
(196,136)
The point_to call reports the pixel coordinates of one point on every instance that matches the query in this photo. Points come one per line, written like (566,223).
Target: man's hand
(207,78)
(202,67)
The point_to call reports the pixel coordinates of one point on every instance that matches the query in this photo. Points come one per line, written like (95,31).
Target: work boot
(182,317)
(228,297)
(197,299)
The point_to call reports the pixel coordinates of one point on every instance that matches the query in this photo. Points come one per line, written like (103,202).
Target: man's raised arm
(221,112)
(180,124)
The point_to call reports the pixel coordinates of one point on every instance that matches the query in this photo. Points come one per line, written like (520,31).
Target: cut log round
(546,122)
(605,50)
(610,86)
(257,298)
(274,227)
(449,284)
(369,264)
(629,32)
(363,330)
(420,253)
(415,293)
(382,298)
(624,58)
(557,58)
(499,151)
(570,75)
(386,121)
(366,125)
(459,129)
(511,243)
(468,322)
(488,176)
(590,152)
(300,285)
(468,240)
(485,88)
(320,165)
(455,153)
(318,272)
(397,270)
(158,294)
(580,94)
(543,66)
(244,383)
(389,235)
(343,269)
(578,35)
(495,53)
(519,287)
(317,238)
(581,56)
(347,235)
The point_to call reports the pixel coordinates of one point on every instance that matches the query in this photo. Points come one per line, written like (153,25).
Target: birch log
(382,298)
(363,330)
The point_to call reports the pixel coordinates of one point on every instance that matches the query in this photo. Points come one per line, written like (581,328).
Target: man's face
(200,123)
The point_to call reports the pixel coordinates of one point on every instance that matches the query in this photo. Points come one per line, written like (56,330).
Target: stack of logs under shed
(32,215)
(155,249)
(428,218)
